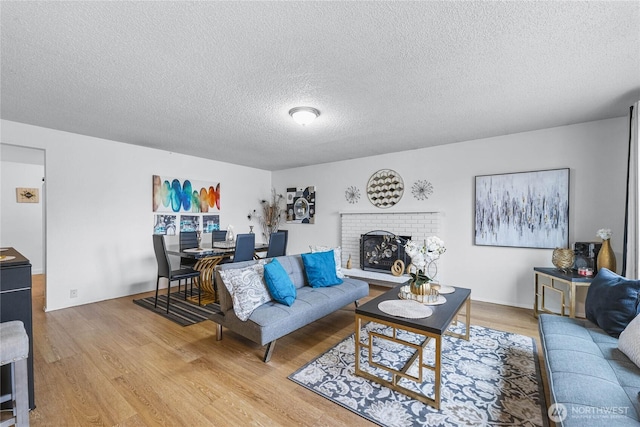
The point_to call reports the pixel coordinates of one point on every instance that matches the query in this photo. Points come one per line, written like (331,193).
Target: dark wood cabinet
(15,304)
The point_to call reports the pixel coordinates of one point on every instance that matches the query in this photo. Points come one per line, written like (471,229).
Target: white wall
(21,223)
(595,152)
(99,214)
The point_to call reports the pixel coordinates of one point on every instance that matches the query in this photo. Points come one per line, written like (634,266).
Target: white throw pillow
(337,255)
(247,288)
(629,341)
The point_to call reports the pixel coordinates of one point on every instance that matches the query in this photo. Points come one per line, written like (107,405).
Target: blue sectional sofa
(591,382)
(272,320)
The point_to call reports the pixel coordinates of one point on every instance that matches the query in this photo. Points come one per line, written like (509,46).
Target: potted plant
(421,257)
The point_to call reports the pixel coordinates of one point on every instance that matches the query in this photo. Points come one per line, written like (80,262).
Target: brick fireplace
(418,225)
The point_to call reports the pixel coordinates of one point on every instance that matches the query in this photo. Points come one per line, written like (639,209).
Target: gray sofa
(273,320)
(595,382)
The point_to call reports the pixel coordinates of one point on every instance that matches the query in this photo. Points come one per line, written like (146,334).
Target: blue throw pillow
(279,283)
(320,268)
(612,301)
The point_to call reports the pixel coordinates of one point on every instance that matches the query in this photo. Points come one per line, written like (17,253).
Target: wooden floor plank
(115,363)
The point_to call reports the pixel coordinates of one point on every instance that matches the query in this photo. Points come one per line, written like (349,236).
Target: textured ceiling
(217,79)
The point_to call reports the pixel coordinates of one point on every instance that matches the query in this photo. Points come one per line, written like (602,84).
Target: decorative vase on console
(606,257)
(421,256)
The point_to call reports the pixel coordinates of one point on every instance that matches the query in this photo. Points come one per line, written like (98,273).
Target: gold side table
(554,277)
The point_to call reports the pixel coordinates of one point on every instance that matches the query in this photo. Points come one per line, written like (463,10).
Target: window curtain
(631,240)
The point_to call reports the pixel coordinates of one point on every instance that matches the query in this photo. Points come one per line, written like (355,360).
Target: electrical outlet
(73,293)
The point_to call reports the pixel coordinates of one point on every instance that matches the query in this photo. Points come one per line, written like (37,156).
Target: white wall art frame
(301,205)
(524,209)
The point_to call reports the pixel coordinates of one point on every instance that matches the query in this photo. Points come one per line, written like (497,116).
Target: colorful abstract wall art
(301,205)
(526,209)
(165,224)
(184,195)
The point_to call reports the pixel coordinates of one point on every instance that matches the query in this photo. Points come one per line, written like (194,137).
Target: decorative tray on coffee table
(405,293)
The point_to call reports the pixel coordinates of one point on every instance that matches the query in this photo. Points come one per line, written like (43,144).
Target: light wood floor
(115,363)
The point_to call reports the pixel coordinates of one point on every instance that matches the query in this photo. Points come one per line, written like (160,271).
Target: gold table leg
(467,315)
(396,375)
(206,266)
(572,299)
(536,283)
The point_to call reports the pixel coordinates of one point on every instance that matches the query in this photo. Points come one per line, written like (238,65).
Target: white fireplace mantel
(367,212)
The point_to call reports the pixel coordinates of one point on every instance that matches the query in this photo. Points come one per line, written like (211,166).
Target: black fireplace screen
(380,249)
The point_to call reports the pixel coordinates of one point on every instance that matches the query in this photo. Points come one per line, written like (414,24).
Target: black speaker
(586,254)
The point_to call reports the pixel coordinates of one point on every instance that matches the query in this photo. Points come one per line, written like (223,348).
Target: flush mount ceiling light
(304,115)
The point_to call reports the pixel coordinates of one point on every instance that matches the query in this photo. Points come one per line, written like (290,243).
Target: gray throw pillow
(629,341)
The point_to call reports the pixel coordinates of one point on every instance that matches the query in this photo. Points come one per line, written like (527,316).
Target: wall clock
(385,188)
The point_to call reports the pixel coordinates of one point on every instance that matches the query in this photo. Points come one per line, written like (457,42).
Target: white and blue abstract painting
(525,209)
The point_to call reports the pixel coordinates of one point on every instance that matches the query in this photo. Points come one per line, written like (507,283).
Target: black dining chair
(277,245)
(245,247)
(188,240)
(164,270)
(218,236)
(286,238)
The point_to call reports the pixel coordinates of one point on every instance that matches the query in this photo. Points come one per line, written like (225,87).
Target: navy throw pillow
(279,283)
(320,268)
(612,301)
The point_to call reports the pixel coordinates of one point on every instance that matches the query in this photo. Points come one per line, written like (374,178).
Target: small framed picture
(27,195)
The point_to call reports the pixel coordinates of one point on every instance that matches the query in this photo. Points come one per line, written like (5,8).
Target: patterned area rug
(182,312)
(492,379)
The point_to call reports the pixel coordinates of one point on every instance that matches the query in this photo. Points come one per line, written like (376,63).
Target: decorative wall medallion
(385,188)
(352,194)
(422,189)
(27,195)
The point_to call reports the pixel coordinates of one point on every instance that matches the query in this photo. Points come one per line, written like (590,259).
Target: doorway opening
(23,225)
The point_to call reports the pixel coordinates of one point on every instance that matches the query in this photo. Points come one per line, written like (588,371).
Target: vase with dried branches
(271,214)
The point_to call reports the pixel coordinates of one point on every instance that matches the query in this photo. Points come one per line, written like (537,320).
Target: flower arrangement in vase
(271,215)
(421,256)
(604,233)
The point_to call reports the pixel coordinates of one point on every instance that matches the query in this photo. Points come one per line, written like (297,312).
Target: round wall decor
(352,194)
(385,188)
(422,189)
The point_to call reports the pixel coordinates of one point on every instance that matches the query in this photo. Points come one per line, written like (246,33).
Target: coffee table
(432,328)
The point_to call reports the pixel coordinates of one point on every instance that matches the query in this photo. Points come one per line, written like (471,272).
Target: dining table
(206,261)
